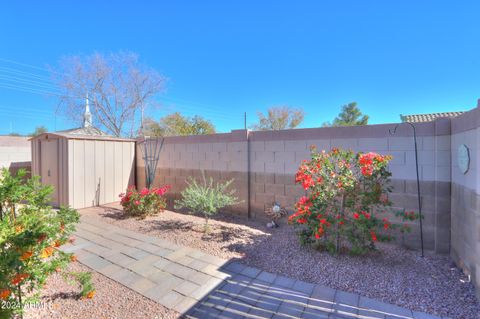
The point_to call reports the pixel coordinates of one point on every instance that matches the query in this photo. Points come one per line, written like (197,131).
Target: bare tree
(279,118)
(118,89)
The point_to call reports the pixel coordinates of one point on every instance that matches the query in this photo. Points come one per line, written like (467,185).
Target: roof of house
(418,118)
(83,131)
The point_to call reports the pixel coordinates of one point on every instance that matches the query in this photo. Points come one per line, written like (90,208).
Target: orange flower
(18,229)
(46,252)
(73,258)
(90,294)
(4,294)
(26,255)
(19,278)
(57,243)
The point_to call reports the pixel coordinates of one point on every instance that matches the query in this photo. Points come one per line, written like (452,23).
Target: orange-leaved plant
(31,233)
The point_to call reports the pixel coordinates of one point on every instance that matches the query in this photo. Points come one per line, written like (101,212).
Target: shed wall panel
(100,172)
(118,174)
(90,178)
(70,169)
(79,174)
(109,170)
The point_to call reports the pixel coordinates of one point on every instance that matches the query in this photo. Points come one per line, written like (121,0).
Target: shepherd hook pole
(418,177)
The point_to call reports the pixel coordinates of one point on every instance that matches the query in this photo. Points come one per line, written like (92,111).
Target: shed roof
(419,118)
(85,133)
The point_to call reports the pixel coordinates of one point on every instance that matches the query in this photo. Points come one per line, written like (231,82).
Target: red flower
(367,215)
(145,192)
(356,215)
(323,221)
(374,236)
(385,226)
(161,191)
(19,278)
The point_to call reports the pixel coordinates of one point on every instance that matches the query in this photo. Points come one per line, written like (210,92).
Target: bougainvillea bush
(145,202)
(346,203)
(31,233)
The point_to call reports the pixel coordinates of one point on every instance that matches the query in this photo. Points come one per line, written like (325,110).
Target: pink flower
(162,191)
(145,191)
(137,202)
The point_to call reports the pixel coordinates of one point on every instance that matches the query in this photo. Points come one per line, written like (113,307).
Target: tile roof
(418,118)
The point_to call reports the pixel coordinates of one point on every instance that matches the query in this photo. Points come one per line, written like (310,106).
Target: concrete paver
(199,285)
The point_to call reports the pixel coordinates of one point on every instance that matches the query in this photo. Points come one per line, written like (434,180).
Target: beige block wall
(275,156)
(15,153)
(465,205)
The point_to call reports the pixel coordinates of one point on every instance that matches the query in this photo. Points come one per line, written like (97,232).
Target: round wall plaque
(463,157)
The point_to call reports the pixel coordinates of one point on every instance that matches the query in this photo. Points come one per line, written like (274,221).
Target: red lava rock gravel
(393,274)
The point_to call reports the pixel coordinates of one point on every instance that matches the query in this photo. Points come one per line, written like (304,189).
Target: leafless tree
(279,118)
(118,89)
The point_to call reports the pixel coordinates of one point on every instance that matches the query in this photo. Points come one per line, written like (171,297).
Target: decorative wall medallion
(463,158)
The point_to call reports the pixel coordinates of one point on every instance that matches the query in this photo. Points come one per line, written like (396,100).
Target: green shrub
(207,197)
(30,234)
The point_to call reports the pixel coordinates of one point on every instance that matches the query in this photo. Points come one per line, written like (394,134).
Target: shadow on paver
(252,293)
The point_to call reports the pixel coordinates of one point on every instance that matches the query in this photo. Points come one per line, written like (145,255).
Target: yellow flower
(46,252)
(90,294)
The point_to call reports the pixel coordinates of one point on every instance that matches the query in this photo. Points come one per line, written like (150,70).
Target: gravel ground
(395,275)
(111,300)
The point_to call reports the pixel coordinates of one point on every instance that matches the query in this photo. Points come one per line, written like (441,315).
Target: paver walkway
(199,285)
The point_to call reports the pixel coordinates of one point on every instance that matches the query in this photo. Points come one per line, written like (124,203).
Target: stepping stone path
(199,285)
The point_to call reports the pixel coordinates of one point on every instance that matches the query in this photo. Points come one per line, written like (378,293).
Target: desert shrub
(346,194)
(30,234)
(206,197)
(144,203)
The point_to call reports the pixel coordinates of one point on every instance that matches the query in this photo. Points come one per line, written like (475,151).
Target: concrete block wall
(15,153)
(218,156)
(267,162)
(465,204)
(275,157)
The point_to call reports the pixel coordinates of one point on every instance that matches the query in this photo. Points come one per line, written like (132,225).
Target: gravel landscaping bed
(111,300)
(394,275)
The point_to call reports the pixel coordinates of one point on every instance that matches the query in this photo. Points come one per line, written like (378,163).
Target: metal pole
(418,179)
(248,167)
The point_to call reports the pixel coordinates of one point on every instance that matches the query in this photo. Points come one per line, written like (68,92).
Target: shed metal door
(49,166)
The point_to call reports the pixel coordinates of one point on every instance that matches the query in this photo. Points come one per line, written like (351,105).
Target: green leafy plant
(30,234)
(145,202)
(206,197)
(347,201)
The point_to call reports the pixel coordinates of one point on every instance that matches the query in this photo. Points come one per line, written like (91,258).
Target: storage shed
(86,166)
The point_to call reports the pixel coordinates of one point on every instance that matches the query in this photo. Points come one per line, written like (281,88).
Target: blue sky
(223,58)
